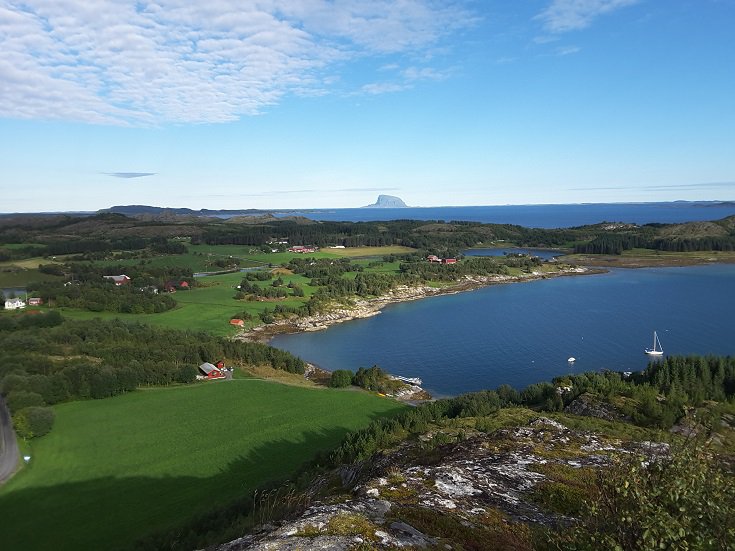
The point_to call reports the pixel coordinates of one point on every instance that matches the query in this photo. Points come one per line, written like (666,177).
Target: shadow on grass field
(115,512)
(114,470)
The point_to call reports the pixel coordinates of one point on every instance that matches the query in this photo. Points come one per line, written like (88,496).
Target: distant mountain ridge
(387,202)
(133,210)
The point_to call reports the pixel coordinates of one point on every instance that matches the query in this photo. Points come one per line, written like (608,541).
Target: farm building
(35,301)
(302,249)
(237,322)
(449,261)
(118,280)
(14,304)
(210,371)
(433,258)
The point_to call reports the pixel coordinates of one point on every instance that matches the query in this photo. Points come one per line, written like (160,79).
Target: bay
(523,333)
(536,216)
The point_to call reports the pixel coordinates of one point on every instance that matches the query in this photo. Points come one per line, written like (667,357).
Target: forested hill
(61,234)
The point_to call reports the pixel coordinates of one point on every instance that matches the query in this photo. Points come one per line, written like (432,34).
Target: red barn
(449,261)
(211,372)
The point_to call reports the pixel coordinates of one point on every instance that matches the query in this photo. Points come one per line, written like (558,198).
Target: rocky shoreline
(365,308)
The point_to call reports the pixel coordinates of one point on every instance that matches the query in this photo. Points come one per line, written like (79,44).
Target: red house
(209,371)
(184,285)
(449,261)
(237,322)
(433,258)
(35,301)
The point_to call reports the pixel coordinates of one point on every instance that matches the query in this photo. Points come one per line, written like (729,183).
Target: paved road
(8,444)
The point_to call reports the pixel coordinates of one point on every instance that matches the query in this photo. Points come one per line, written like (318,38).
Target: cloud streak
(130,174)
(176,61)
(571,15)
(701,185)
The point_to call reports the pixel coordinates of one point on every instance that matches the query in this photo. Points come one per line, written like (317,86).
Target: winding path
(8,444)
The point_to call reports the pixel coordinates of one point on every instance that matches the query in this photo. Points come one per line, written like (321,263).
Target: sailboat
(655,351)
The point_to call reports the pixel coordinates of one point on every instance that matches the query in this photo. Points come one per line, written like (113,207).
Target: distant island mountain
(387,202)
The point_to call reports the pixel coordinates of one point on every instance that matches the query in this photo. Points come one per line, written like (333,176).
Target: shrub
(33,421)
(341,378)
(684,501)
(20,399)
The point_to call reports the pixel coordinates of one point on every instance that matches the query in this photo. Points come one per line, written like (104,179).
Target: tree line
(50,360)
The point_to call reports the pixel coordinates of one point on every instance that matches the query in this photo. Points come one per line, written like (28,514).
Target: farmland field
(112,470)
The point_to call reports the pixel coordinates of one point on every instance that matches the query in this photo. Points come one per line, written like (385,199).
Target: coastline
(365,308)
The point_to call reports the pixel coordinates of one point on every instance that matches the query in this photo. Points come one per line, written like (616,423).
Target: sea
(523,333)
(537,216)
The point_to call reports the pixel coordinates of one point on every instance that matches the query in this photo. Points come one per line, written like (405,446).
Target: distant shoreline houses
(302,249)
(118,279)
(14,304)
(432,258)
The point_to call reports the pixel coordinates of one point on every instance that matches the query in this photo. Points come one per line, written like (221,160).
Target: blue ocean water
(536,216)
(524,333)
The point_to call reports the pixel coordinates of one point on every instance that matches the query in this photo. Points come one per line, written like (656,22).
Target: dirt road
(8,444)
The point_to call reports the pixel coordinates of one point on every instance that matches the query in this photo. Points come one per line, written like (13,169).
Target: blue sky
(328,103)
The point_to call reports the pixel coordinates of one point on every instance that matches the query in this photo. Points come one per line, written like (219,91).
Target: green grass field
(209,306)
(113,470)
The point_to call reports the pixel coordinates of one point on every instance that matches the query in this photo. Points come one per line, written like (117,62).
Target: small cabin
(35,301)
(449,261)
(237,322)
(433,258)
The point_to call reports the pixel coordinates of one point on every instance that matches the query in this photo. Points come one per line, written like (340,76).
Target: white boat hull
(657,349)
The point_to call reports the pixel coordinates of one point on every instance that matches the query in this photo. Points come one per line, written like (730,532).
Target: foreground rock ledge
(477,481)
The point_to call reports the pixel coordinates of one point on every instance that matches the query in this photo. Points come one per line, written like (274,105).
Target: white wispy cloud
(147,63)
(567,50)
(570,15)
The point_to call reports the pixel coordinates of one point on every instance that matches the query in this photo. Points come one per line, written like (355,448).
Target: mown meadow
(116,469)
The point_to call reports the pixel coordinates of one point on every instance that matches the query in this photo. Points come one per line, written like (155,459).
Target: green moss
(559,497)
(308,531)
(351,524)
(491,532)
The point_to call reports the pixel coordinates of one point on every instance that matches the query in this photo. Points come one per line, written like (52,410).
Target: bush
(33,421)
(683,501)
(20,399)
(341,378)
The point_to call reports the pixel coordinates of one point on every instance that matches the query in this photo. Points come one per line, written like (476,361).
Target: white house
(14,304)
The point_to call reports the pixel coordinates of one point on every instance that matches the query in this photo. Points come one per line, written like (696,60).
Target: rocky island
(387,202)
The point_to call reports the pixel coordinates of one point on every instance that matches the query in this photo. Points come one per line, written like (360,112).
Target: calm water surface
(523,333)
(537,216)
